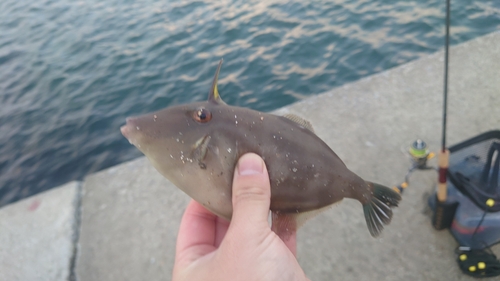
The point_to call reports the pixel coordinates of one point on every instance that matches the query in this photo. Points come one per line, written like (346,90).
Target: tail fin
(378,211)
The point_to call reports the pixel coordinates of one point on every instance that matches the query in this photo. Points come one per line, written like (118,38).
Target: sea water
(71,71)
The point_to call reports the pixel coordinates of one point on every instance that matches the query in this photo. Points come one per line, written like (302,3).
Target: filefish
(197,145)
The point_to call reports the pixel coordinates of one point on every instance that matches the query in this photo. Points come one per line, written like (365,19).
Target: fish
(197,145)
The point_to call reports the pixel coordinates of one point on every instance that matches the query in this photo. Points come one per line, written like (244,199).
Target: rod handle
(443,162)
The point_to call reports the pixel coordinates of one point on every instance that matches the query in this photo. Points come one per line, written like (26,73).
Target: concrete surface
(38,234)
(130,217)
(130,214)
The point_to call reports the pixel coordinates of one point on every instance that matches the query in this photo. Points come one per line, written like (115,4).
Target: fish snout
(128,129)
(125,131)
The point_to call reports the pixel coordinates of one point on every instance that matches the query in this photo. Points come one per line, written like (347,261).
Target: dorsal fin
(299,120)
(213,94)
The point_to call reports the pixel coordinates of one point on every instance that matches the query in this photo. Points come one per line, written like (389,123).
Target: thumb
(251,192)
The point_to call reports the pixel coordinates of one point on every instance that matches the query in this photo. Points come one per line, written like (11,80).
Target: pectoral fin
(200,149)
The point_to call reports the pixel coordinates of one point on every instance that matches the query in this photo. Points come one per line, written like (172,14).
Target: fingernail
(250,164)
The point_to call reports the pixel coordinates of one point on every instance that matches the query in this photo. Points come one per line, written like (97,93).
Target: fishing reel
(418,154)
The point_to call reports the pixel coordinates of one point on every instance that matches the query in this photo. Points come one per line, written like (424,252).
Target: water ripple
(73,70)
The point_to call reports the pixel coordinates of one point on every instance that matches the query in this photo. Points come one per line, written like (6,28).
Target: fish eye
(202,115)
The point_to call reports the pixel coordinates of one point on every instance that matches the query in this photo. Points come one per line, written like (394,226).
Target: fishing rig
(467,199)
(418,154)
(471,208)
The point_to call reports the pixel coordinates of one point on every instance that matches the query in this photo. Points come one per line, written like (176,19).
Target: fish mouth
(125,131)
(129,129)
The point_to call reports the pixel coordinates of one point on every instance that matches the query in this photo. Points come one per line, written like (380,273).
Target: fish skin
(200,158)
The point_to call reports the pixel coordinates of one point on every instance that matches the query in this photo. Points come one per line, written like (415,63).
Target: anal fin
(285,223)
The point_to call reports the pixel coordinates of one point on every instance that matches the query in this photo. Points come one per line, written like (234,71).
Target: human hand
(211,248)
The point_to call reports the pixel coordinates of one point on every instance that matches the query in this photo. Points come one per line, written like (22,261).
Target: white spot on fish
(180,133)
(155,117)
(177,140)
(294,170)
(229,150)
(171,156)
(137,128)
(262,118)
(235,116)
(274,136)
(236,122)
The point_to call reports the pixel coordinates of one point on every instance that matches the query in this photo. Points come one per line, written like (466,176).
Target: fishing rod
(444,212)
(476,263)
(472,259)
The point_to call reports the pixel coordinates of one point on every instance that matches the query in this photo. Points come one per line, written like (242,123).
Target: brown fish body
(199,156)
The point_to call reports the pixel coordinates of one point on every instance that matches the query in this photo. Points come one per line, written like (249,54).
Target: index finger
(197,228)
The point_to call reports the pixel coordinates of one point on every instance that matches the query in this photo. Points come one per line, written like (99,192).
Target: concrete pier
(38,236)
(127,218)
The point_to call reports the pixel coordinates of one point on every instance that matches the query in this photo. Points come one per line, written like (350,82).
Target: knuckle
(251,190)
